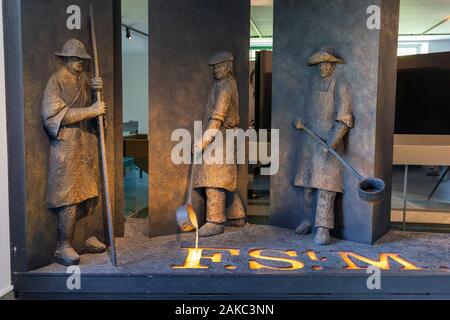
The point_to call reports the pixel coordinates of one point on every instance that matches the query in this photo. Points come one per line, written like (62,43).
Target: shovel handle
(99,98)
(191,184)
(333,152)
(191,178)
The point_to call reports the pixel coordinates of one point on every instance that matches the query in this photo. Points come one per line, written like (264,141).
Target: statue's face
(326,69)
(75,64)
(222,70)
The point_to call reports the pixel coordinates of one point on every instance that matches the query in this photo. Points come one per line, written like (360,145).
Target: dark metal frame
(35,285)
(16,141)
(151,287)
(16,127)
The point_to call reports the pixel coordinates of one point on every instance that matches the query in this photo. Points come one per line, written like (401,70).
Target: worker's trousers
(325,208)
(216,209)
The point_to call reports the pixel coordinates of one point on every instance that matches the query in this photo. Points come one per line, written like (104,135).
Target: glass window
(421,192)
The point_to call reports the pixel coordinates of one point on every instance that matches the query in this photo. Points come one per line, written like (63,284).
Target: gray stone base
(139,255)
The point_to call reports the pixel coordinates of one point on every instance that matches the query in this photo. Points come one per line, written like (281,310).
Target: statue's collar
(324,84)
(227,77)
(71,74)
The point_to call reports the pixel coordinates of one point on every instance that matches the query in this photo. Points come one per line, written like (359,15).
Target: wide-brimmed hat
(326,54)
(221,57)
(73,48)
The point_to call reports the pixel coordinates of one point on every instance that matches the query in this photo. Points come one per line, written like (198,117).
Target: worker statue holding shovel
(219,180)
(329,116)
(73,175)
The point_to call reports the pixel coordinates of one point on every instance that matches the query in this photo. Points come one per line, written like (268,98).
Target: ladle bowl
(371,190)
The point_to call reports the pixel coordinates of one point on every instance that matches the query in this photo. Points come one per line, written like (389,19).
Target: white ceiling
(257,3)
(135,11)
(135,14)
(416,16)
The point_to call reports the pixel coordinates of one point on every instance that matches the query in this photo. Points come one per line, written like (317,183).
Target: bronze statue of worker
(73,175)
(329,114)
(219,181)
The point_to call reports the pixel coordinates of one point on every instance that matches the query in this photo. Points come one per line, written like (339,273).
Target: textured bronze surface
(301,29)
(73,173)
(221,114)
(329,114)
(180,82)
(38,243)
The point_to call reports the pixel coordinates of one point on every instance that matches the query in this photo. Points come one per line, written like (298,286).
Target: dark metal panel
(387,87)
(250,285)
(263,91)
(118,121)
(15,129)
(183,37)
(300,29)
(32,40)
(239,297)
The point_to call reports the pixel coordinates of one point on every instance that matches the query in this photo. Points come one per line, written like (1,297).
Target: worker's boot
(235,212)
(324,217)
(215,213)
(211,229)
(66,254)
(94,246)
(304,228)
(239,223)
(323,237)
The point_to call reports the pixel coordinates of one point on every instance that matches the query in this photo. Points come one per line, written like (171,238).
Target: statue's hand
(201,146)
(298,123)
(99,108)
(332,145)
(97,84)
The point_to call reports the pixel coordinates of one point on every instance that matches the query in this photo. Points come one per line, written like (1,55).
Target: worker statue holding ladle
(329,118)
(218,181)
(329,115)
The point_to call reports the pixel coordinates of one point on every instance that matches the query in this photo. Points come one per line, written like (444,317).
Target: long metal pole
(252,22)
(99,97)
(405,197)
(334,153)
(441,179)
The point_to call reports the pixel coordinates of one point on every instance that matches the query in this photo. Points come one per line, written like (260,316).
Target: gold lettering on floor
(194,257)
(382,263)
(261,254)
(287,260)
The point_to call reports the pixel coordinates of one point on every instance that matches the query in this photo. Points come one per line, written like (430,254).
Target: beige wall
(5,266)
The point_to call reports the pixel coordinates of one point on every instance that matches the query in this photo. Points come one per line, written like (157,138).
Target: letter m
(382,263)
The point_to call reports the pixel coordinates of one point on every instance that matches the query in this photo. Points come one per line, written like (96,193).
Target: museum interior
(346,139)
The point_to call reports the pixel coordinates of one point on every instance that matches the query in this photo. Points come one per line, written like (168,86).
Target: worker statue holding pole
(73,176)
(329,118)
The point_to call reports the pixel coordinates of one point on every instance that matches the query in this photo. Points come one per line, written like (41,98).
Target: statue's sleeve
(54,108)
(222,105)
(344,106)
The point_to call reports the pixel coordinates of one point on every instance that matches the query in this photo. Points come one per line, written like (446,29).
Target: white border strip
(5,254)
(5,291)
